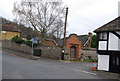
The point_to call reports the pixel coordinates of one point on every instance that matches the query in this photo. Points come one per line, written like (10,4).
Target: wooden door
(73,52)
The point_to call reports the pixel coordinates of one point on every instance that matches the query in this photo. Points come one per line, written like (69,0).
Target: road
(14,67)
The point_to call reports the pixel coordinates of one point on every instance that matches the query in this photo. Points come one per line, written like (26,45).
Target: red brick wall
(73,41)
(49,43)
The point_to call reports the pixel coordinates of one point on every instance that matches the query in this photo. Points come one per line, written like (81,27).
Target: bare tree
(44,16)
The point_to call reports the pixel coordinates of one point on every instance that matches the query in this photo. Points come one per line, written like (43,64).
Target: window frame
(103,36)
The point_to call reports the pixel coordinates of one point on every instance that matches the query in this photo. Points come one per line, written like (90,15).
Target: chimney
(90,36)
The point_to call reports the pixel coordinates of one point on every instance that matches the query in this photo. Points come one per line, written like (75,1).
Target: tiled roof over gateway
(113,25)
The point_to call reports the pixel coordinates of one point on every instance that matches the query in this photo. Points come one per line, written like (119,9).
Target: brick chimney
(90,36)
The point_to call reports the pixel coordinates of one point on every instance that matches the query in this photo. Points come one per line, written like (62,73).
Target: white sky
(84,15)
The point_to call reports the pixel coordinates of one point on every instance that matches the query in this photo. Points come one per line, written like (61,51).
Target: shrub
(90,60)
(94,41)
(74,60)
(29,43)
(17,39)
(37,44)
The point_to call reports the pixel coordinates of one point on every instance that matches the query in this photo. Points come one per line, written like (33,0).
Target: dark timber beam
(115,33)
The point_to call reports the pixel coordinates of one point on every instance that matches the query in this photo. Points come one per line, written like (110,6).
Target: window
(103,36)
(113,61)
(117,60)
(3,31)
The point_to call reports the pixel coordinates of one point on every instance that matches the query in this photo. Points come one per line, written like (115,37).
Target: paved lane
(15,67)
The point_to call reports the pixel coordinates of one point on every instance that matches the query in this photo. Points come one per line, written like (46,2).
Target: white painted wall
(118,32)
(103,62)
(118,41)
(102,45)
(119,44)
(113,42)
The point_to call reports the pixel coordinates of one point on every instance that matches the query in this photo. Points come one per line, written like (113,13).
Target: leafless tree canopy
(46,16)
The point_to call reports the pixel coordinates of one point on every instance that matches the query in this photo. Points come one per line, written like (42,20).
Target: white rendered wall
(113,42)
(119,44)
(118,41)
(102,45)
(103,62)
(118,32)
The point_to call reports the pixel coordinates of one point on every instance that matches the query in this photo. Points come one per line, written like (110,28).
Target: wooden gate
(37,52)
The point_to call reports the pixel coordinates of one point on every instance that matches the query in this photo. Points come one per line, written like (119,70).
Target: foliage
(42,15)
(28,32)
(17,39)
(37,44)
(94,41)
(29,43)
(74,60)
(85,60)
(90,60)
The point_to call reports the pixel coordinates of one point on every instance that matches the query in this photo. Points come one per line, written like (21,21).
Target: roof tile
(113,25)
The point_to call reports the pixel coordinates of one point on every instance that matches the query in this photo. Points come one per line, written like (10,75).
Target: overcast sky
(84,15)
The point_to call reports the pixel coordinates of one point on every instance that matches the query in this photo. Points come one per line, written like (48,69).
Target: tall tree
(44,16)
(94,41)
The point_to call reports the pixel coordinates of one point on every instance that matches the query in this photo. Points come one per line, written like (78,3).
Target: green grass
(78,60)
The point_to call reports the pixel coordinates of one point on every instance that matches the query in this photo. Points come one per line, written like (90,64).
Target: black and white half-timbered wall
(108,46)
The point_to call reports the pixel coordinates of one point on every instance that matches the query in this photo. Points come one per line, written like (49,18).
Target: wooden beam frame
(115,33)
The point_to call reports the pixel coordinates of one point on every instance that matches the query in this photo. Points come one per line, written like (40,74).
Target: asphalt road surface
(14,67)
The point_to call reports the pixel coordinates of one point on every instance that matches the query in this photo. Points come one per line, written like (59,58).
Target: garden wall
(17,47)
(50,52)
(85,54)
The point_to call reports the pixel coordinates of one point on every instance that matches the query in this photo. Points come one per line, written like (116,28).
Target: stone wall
(17,47)
(50,52)
(88,53)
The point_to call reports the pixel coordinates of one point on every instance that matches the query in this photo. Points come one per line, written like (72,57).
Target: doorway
(73,52)
(115,62)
